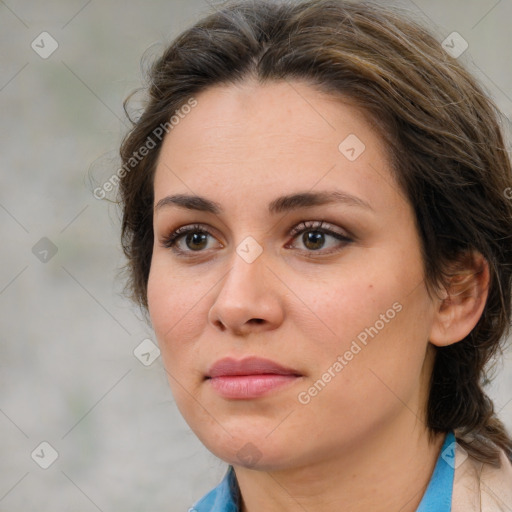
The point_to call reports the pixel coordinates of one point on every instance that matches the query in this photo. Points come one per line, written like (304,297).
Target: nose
(248,298)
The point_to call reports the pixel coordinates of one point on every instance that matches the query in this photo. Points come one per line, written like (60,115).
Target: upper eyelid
(297,227)
(316,225)
(184,230)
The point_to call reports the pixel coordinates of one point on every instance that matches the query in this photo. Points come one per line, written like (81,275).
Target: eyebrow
(279,205)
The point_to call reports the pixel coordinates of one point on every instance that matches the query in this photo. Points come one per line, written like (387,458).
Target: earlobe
(462,300)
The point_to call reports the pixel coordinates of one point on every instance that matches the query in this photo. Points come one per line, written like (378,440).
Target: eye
(315,237)
(187,239)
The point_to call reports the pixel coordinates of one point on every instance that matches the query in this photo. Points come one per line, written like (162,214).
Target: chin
(256,450)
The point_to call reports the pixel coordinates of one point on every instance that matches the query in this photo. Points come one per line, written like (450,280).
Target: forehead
(264,136)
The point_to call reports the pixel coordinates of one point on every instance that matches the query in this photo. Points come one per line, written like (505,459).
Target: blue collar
(438,496)
(224,498)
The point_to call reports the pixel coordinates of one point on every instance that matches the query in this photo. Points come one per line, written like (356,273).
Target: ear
(462,300)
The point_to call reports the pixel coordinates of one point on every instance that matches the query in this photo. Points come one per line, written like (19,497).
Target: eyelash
(171,240)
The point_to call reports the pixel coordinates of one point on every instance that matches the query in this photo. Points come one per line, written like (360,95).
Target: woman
(315,218)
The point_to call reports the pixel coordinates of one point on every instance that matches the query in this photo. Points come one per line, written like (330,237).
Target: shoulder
(481,487)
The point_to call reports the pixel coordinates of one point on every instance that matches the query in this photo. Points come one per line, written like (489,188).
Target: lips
(249,366)
(249,378)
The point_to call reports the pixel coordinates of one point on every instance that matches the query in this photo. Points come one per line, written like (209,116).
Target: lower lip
(249,386)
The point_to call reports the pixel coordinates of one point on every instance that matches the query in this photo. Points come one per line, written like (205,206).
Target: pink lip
(249,378)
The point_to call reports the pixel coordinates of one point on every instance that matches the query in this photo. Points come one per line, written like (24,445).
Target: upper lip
(247,366)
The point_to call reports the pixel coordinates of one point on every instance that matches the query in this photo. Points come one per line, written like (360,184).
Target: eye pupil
(313,239)
(197,239)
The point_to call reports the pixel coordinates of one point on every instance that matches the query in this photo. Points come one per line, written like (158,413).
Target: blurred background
(73,373)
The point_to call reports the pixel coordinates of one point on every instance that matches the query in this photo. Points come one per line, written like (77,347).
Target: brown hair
(443,136)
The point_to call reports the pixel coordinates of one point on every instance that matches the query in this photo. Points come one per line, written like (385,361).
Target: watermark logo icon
(249,454)
(146,352)
(352,147)
(249,249)
(455,45)
(454,455)
(44,455)
(44,45)
(44,250)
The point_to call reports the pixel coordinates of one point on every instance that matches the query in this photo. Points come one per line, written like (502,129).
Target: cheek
(178,311)
(340,309)
(369,365)
(376,321)
(173,299)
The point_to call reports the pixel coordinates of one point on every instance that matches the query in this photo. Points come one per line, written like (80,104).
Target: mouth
(249,378)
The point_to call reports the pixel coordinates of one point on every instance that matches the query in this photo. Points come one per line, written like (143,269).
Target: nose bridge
(246,278)
(245,293)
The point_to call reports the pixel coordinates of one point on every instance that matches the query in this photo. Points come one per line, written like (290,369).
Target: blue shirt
(437,498)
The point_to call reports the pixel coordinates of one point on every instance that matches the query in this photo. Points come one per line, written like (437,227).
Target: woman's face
(342,307)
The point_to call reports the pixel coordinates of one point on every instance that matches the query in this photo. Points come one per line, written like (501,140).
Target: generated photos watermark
(305,397)
(150,143)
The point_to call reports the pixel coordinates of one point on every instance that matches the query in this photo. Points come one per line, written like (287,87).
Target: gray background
(68,375)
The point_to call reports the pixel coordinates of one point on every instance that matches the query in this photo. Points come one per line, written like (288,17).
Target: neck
(389,471)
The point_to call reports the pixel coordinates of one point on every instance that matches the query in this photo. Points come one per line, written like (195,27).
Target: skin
(361,442)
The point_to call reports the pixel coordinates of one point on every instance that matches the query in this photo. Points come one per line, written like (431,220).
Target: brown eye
(313,240)
(196,241)
(314,236)
(189,239)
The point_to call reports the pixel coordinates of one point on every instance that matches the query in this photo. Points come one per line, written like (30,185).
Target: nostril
(220,325)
